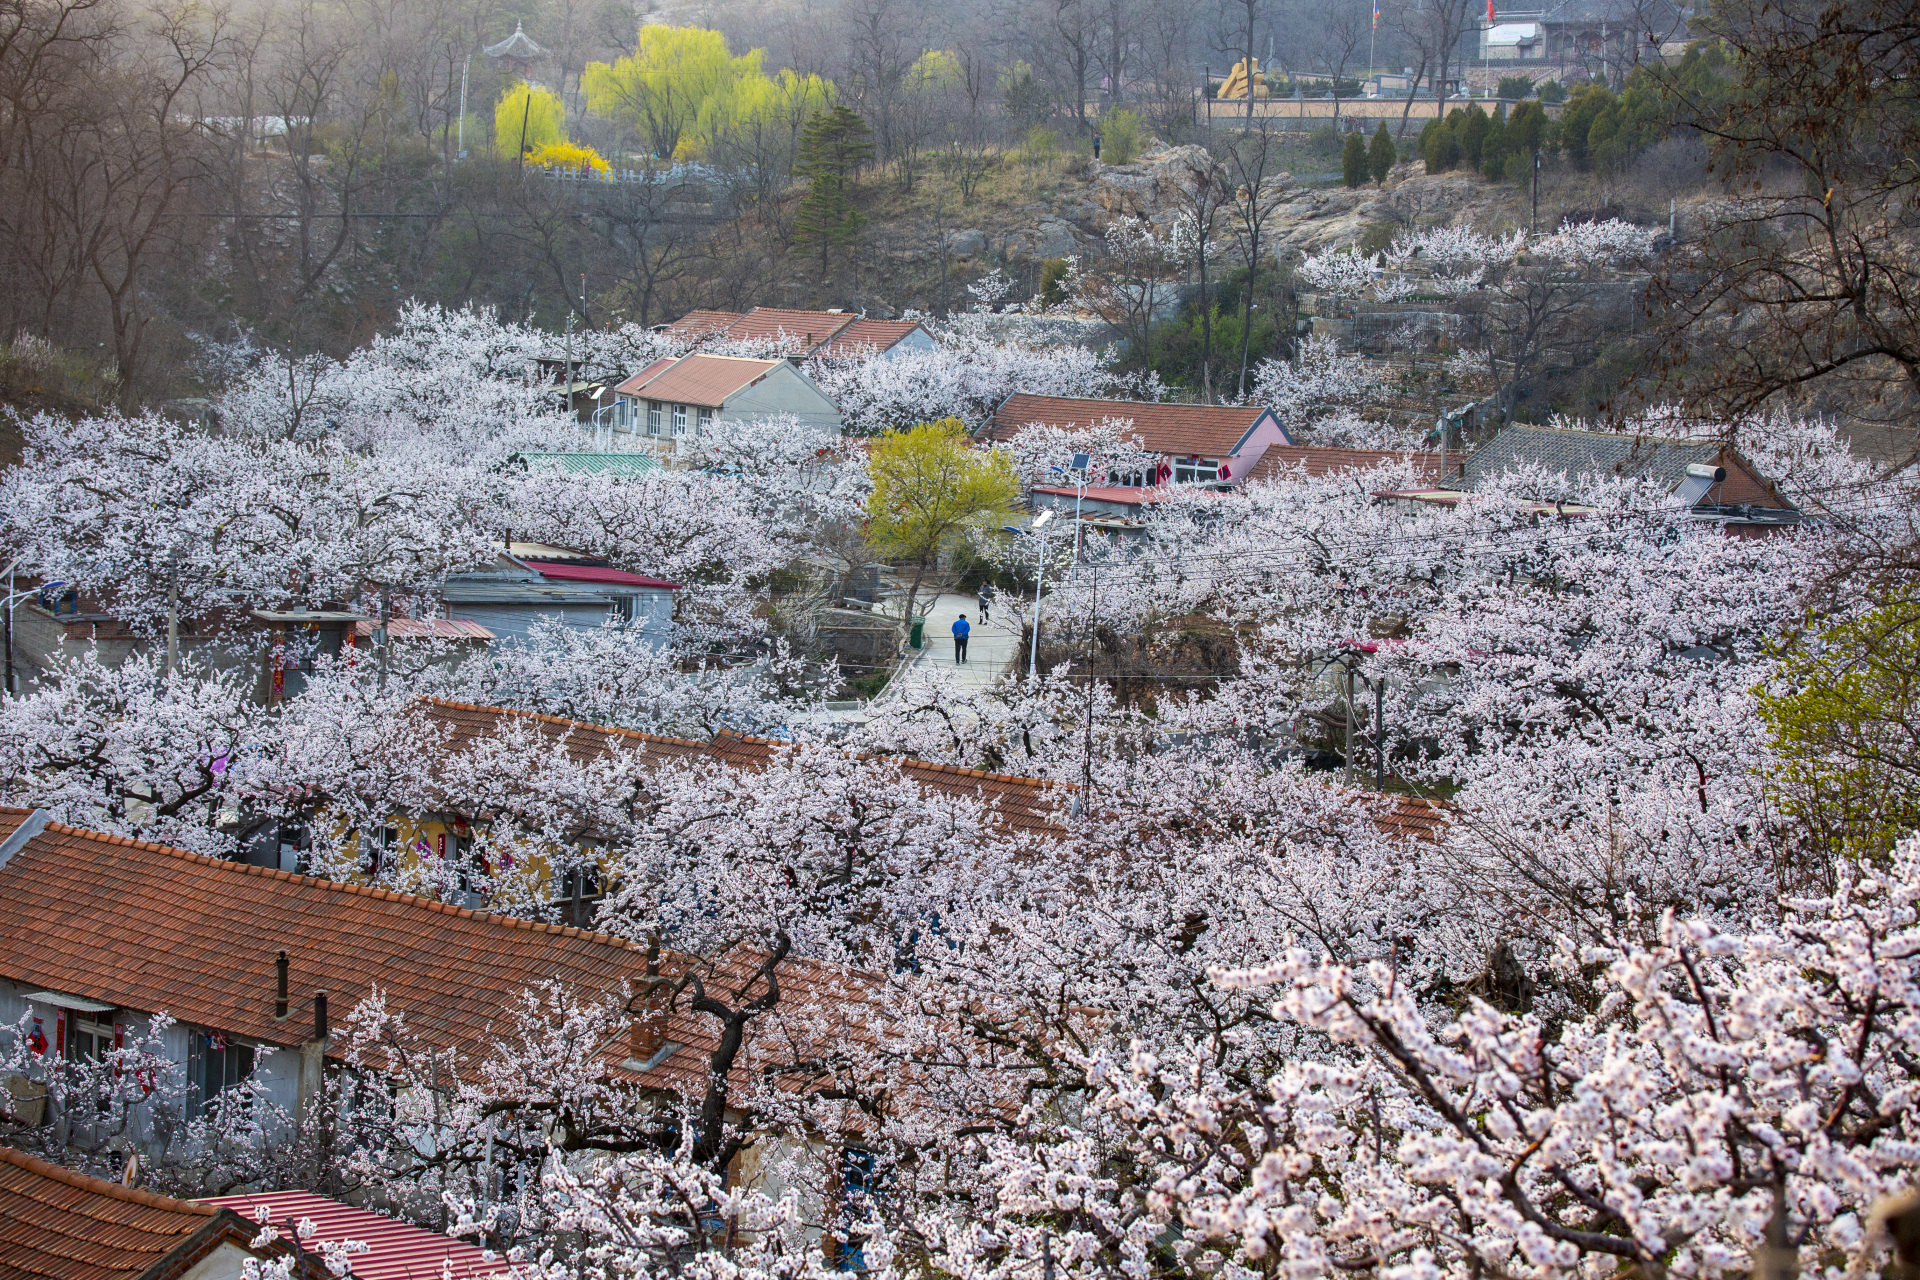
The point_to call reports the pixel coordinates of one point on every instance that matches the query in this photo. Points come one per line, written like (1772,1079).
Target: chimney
(648,1030)
(319,1015)
(280,987)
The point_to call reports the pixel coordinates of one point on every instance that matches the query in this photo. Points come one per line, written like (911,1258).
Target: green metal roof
(591,464)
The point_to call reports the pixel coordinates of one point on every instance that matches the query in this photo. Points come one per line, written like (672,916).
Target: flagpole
(1371,37)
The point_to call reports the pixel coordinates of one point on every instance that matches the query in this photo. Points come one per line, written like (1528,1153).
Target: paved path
(990,648)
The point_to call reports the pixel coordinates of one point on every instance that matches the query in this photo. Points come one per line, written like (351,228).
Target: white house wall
(785,390)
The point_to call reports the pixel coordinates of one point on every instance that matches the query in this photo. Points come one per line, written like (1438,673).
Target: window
(679,420)
(1196,470)
(655,415)
(214,1065)
(291,843)
(858,1181)
(90,1036)
(378,850)
(706,421)
(1135,478)
(623,609)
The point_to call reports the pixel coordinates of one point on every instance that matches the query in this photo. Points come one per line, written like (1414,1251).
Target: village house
(804,335)
(530,581)
(675,400)
(56,1224)
(259,967)
(1711,482)
(1195,444)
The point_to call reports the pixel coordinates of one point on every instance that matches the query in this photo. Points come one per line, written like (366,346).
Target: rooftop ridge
(343,886)
(101,1186)
(915,761)
(640,734)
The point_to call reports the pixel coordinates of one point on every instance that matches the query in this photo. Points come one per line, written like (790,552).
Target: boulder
(970,243)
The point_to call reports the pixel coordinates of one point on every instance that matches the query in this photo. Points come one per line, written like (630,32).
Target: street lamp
(1039,573)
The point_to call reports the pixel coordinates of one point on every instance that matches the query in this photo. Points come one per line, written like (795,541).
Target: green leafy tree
(1514,88)
(832,149)
(932,486)
(1053,281)
(1353,160)
(1844,714)
(1120,133)
(527,119)
(1553,91)
(1382,154)
(1473,134)
(1494,149)
(1576,122)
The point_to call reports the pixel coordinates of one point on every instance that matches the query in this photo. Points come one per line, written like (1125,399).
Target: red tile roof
(395,1250)
(641,378)
(1317,461)
(1174,430)
(699,379)
(594,573)
(196,937)
(867,336)
(702,324)
(805,329)
(1027,804)
(63,1225)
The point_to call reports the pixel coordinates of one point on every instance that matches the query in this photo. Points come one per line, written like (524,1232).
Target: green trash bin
(918,633)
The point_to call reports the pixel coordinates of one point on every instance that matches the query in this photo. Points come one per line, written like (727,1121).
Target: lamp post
(1039,575)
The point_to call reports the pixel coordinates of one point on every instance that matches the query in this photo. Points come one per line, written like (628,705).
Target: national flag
(1489,12)
(1376,15)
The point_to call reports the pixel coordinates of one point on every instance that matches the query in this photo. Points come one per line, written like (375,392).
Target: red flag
(1489,10)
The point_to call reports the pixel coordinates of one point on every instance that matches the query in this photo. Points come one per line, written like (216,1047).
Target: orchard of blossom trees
(1602,981)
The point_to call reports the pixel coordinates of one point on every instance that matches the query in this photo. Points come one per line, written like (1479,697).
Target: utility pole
(1346,774)
(173,616)
(1380,733)
(462,128)
(1533,228)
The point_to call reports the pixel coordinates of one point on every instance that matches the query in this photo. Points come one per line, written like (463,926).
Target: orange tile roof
(1026,804)
(196,937)
(1317,461)
(1175,430)
(699,379)
(63,1225)
(806,329)
(703,324)
(863,336)
(640,379)
(467,724)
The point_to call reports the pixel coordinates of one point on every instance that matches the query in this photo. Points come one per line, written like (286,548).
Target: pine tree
(833,146)
(1353,160)
(1381,156)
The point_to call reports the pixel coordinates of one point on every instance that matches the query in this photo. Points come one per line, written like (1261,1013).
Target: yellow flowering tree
(527,119)
(931,486)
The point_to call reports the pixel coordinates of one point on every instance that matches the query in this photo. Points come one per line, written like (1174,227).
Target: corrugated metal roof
(1174,430)
(509,591)
(425,628)
(593,464)
(597,573)
(395,1250)
(700,379)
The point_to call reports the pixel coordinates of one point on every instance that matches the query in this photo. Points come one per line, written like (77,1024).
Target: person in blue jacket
(960,630)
